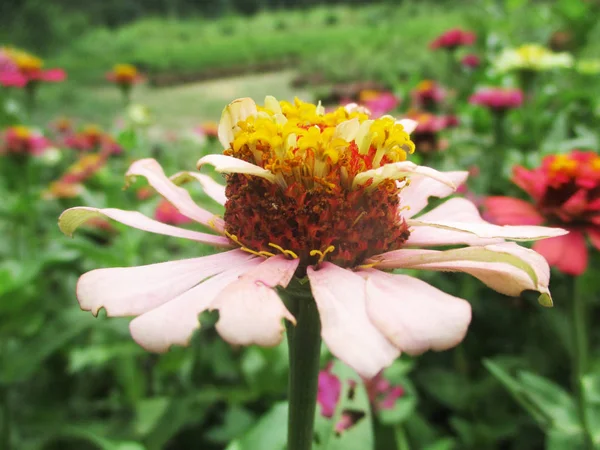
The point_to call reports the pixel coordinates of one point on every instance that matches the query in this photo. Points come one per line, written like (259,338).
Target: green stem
(580,356)
(401,438)
(5,438)
(304,342)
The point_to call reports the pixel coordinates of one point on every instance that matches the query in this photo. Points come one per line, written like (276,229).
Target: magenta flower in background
(471,61)
(427,95)
(498,99)
(378,102)
(382,395)
(452,39)
(21,140)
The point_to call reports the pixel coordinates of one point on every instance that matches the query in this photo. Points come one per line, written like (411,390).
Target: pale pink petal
(414,196)
(511,211)
(400,170)
(72,218)
(414,315)
(507,268)
(213,189)
(567,253)
(229,164)
(250,311)
(490,231)
(238,110)
(174,322)
(456,209)
(177,196)
(130,291)
(340,295)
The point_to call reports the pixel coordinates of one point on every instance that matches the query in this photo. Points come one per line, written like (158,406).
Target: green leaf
(269,433)
(237,421)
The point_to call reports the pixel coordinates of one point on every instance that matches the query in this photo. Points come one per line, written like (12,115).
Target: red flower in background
(125,75)
(498,99)
(167,213)
(471,60)
(29,69)
(20,140)
(453,39)
(566,193)
(209,129)
(70,184)
(426,135)
(427,94)
(92,138)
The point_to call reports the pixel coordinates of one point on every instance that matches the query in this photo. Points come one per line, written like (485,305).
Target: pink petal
(328,392)
(53,75)
(507,268)
(72,218)
(12,79)
(456,209)
(213,189)
(511,211)
(130,291)
(577,203)
(490,231)
(340,295)
(567,253)
(229,164)
(415,195)
(414,315)
(250,311)
(174,322)
(179,197)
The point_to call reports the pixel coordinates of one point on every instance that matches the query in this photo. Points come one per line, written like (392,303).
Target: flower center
(319,204)
(125,72)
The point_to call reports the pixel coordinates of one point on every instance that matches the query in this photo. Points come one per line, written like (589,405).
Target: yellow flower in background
(532,57)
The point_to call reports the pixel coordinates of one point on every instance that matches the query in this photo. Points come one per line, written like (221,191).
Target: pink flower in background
(382,395)
(452,39)
(29,69)
(428,94)
(426,135)
(21,140)
(91,139)
(378,102)
(565,192)
(350,214)
(166,213)
(471,60)
(498,99)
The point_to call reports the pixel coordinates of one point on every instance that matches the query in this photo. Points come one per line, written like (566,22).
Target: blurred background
(88,87)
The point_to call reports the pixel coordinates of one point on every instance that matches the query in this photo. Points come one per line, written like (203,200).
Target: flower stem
(580,356)
(304,343)
(5,438)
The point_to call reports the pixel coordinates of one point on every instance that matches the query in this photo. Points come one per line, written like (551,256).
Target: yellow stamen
(322,254)
(284,251)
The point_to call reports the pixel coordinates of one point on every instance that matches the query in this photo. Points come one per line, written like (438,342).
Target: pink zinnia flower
(379,102)
(329,199)
(209,129)
(471,60)
(426,134)
(452,39)
(498,99)
(566,193)
(21,140)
